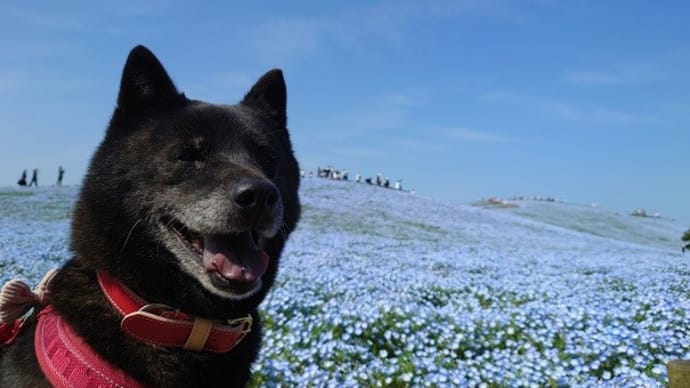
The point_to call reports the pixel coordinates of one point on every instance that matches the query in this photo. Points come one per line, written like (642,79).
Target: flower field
(381,288)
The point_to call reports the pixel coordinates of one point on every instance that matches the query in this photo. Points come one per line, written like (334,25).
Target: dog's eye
(190,154)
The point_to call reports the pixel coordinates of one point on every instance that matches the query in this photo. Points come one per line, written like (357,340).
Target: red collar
(162,325)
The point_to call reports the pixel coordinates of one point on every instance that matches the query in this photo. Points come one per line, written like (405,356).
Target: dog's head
(187,202)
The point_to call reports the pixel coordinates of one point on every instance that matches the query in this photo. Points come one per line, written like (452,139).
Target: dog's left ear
(145,84)
(270,95)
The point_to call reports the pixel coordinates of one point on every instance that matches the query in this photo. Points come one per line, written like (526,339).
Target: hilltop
(368,200)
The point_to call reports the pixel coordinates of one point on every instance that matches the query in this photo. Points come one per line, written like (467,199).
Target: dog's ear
(270,95)
(145,84)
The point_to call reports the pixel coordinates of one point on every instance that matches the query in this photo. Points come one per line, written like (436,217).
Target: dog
(183,214)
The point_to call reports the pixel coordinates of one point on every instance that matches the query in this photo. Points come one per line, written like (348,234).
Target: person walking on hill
(34,178)
(22,180)
(61,173)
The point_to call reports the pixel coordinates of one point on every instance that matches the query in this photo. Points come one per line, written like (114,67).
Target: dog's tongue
(228,254)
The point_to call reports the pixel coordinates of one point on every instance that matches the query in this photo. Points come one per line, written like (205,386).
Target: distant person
(61,174)
(34,178)
(398,185)
(378,179)
(386,183)
(358,178)
(22,180)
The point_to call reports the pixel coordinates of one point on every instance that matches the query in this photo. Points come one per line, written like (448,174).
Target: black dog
(186,204)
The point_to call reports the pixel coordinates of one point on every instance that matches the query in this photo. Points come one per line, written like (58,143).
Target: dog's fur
(168,159)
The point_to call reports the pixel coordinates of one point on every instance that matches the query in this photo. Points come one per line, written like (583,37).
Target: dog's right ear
(270,95)
(145,84)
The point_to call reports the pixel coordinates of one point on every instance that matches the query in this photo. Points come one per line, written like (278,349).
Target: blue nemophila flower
(378,288)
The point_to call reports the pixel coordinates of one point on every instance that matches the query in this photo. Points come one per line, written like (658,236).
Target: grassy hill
(379,287)
(657,232)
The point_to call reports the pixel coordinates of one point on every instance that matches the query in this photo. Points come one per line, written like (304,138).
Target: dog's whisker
(283,230)
(129,234)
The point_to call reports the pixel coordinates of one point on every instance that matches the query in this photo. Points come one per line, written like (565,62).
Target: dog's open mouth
(234,262)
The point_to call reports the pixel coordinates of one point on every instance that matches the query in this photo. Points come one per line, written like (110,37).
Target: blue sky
(588,101)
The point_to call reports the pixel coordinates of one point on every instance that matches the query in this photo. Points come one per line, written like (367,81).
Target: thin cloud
(403,99)
(385,112)
(20,81)
(235,79)
(473,135)
(624,75)
(381,119)
(298,37)
(45,19)
(416,145)
(38,50)
(138,8)
(500,96)
(362,152)
(595,78)
(55,22)
(653,68)
(223,85)
(596,115)
(289,38)
(569,111)
(384,22)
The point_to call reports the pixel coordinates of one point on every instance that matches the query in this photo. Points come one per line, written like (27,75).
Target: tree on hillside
(686,237)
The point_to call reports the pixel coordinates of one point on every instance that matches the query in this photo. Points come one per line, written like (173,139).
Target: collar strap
(161,325)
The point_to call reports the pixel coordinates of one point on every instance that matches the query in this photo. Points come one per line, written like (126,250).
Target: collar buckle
(245,322)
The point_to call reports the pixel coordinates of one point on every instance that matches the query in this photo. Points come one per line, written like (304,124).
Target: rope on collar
(16,298)
(161,325)
(16,301)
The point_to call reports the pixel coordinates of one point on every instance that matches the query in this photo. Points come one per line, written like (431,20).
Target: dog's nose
(255,195)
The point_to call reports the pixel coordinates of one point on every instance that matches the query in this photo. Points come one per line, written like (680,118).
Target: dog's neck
(161,325)
(77,297)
